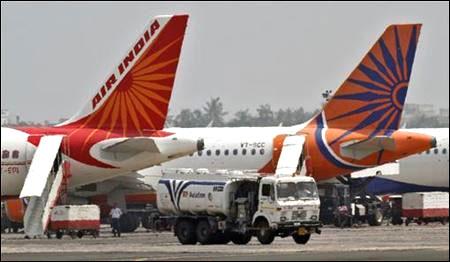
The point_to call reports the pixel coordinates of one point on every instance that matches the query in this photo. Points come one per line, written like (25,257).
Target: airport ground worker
(115,214)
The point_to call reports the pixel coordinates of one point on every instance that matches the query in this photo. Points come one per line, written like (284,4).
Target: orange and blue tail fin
(372,98)
(135,96)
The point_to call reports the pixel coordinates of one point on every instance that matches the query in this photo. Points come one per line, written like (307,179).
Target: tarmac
(413,243)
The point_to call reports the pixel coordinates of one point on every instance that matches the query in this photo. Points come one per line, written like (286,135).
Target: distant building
(8,118)
(443,116)
(5,114)
(422,109)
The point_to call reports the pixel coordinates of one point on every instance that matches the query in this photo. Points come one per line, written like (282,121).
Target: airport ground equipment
(74,220)
(345,204)
(217,208)
(425,207)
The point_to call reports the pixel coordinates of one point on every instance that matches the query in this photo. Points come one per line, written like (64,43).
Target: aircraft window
(436,151)
(244,152)
(261,151)
(235,151)
(15,154)
(208,152)
(200,153)
(253,151)
(5,154)
(444,151)
(226,152)
(217,152)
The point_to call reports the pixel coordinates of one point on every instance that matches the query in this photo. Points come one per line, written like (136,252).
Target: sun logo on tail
(370,102)
(375,92)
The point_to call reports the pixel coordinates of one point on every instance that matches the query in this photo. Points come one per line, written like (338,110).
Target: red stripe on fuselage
(75,139)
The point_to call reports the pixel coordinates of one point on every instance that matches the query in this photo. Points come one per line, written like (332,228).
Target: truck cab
(286,203)
(288,200)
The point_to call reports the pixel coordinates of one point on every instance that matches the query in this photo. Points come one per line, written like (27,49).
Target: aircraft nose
(200,144)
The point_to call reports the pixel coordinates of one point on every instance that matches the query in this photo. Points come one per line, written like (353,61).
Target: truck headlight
(314,217)
(282,219)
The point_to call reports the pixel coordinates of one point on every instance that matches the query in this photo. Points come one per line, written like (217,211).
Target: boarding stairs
(43,185)
(292,160)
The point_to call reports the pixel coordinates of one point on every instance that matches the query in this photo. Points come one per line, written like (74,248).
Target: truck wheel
(301,239)
(376,219)
(80,234)
(95,233)
(145,220)
(59,234)
(241,239)
(72,234)
(129,223)
(185,232)
(265,235)
(203,232)
(407,221)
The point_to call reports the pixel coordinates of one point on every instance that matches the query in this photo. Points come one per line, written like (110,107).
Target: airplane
(421,172)
(358,127)
(119,130)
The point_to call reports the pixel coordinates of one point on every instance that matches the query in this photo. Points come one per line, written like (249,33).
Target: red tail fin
(135,97)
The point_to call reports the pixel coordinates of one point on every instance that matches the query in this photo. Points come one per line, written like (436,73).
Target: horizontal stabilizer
(133,145)
(359,149)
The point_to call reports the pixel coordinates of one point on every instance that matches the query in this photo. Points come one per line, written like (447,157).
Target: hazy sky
(54,56)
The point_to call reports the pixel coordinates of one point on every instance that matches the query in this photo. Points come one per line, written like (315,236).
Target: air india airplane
(118,131)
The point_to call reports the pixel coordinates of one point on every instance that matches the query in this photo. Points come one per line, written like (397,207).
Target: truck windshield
(296,191)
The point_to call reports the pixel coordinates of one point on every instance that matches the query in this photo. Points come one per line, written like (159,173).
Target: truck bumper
(298,224)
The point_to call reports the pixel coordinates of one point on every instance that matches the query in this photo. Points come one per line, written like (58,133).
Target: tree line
(213,114)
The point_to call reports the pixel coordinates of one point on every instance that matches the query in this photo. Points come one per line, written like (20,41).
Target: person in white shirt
(115,214)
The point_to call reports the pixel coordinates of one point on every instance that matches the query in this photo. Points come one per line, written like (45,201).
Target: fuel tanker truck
(218,208)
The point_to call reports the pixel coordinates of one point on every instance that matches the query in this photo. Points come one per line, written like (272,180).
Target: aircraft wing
(359,149)
(133,145)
